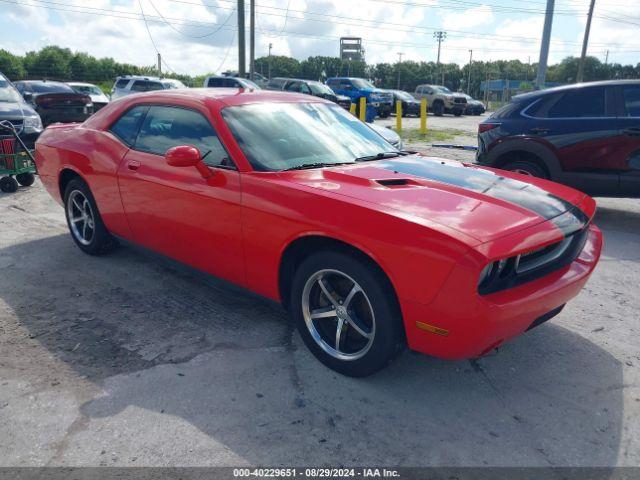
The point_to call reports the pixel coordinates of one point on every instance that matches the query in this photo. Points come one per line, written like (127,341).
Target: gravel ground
(130,360)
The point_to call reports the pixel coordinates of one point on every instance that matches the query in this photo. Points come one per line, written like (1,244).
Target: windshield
(171,84)
(277,136)
(50,87)
(360,83)
(87,89)
(320,89)
(7,92)
(405,96)
(246,83)
(442,89)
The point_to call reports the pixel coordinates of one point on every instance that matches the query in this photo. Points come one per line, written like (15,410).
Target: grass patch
(432,135)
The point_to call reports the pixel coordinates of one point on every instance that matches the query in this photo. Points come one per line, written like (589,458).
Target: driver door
(175,210)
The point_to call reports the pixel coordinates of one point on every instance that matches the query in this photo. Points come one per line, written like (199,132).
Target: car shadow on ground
(165,347)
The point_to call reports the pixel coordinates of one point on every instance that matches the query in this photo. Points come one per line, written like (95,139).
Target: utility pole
(159,66)
(469,77)
(606,58)
(585,42)
(241,45)
(544,47)
(252,39)
(270,46)
(439,36)
(399,62)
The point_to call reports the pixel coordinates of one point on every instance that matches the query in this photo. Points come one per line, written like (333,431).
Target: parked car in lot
(474,107)
(129,84)
(21,114)
(55,101)
(356,88)
(258,79)
(317,89)
(229,82)
(586,136)
(98,98)
(441,100)
(297,200)
(410,106)
(389,135)
(276,83)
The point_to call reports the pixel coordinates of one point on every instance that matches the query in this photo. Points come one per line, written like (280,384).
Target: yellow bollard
(363,109)
(398,116)
(423,116)
(352,108)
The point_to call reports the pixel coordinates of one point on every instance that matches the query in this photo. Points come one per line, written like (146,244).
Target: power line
(193,36)
(148,18)
(152,42)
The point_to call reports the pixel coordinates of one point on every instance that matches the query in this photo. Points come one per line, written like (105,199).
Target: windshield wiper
(379,156)
(305,166)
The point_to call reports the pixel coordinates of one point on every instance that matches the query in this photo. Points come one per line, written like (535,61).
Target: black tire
(26,179)
(457,113)
(98,240)
(438,109)
(385,324)
(385,114)
(8,184)
(526,167)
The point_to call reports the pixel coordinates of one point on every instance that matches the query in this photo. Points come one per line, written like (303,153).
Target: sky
(200,36)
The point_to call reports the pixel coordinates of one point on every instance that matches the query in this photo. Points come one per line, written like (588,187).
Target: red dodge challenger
(370,248)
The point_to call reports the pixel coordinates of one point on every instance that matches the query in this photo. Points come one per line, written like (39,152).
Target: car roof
(226,96)
(563,88)
(82,84)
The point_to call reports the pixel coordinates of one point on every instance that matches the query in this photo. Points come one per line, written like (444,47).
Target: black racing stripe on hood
(523,194)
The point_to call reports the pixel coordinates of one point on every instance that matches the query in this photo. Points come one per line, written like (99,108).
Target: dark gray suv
(16,110)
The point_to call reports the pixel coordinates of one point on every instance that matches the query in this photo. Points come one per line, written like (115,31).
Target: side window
(304,88)
(20,88)
(126,127)
(122,83)
(292,87)
(579,103)
(631,96)
(420,89)
(346,85)
(215,82)
(332,83)
(166,127)
(145,86)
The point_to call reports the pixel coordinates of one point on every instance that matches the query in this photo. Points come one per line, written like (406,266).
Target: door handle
(632,132)
(539,130)
(133,165)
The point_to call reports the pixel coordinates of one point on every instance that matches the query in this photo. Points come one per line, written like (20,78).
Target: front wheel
(525,167)
(346,313)
(26,179)
(438,109)
(84,221)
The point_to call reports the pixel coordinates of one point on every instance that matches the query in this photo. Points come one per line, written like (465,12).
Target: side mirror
(28,96)
(187,156)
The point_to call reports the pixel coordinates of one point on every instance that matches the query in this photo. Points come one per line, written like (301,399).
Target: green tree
(12,66)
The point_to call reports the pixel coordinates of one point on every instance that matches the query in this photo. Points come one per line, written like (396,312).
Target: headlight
(32,124)
(375,97)
(491,271)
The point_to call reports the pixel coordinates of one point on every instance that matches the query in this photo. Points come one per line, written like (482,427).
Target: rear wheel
(8,184)
(84,221)
(525,167)
(346,313)
(438,109)
(26,179)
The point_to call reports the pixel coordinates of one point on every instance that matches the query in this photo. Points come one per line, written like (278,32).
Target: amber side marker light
(430,328)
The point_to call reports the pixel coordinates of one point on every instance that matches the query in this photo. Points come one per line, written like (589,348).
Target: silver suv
(136,83)
(441,100)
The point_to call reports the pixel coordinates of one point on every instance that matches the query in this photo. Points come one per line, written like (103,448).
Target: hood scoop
(398,182)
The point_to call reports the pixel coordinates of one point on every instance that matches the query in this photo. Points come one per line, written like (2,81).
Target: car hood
(13,110)
(479,203)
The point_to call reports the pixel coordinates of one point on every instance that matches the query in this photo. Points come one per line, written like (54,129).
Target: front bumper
(473,326)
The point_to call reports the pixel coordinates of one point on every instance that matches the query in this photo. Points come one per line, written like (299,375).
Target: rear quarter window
(127,126)
(215,82)
(508,110)
(122,83)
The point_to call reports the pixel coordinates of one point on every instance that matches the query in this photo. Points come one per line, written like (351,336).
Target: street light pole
(252,39)
(241,44)
(399,62)
(270,46)
(585,41)
(544,47)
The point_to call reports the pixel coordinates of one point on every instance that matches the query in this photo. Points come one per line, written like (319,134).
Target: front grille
(535,264)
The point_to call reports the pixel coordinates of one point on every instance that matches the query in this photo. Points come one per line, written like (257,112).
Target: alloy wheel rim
(338,314)
(523,172)
(81,218)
